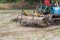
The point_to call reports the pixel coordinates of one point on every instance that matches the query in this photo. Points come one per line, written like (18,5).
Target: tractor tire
(57,22)
(46,20)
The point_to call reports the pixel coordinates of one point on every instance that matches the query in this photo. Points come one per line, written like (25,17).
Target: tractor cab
(55,10)
(52,9)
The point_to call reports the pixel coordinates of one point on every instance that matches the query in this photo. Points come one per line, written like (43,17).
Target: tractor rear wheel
(48,20)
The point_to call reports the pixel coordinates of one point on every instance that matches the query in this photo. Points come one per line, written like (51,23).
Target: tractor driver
(44,8)
(46,2)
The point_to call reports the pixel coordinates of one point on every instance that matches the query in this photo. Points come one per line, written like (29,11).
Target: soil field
(10,30)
